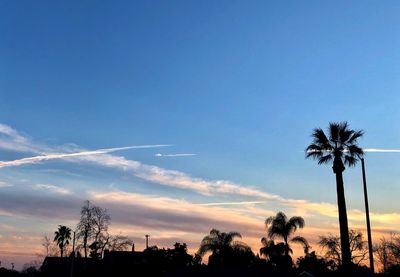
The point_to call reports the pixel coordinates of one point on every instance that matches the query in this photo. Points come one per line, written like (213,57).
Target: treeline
(219,252)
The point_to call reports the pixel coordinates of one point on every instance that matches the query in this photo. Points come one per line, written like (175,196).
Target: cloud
(37,159)
(232,203)
(180,180)
(5,185)
(51,188)
(175,155)
(164,213)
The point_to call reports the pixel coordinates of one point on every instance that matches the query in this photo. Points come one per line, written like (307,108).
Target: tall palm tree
(340,148)
(62,236)
(279,226)
(222,245)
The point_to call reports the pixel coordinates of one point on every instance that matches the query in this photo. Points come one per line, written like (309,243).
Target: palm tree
(62,236)
(272,251)
(340,148)
(279,226)
(222,246)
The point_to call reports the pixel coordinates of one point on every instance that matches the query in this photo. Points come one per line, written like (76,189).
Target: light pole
(371,254)
(147,241)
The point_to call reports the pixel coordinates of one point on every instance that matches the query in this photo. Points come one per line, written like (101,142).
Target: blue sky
(239,84)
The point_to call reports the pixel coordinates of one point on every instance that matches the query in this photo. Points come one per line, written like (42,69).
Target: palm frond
(276,225)
(355,151)
(314,151)
(240,245)
(234,235)
(296,222)
(303,241)
(214,232)
(350,160)
(334,128)
(325,159)
(355,136)
(344,132)
(319,137)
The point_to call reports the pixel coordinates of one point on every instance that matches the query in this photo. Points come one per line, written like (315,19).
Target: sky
(224,96)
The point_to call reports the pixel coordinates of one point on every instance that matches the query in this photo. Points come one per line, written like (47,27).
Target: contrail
(382,150)
(174,155)
(370,150)
(232,203)
(36,159)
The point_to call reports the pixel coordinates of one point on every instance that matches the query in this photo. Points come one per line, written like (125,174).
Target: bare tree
(358,247)
(92,228)
(85,225)
(101,220)
(382,252)
(46,242)
(388,251)
(119,243)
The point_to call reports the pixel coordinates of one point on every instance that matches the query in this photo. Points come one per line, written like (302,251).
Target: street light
(371,254)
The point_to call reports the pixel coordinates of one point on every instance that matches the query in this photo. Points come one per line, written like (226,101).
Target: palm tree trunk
(344,229)
(286,248)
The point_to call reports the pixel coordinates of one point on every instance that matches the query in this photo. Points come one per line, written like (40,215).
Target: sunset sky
(182,116)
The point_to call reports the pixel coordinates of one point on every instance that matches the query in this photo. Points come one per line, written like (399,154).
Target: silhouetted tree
(358,248)
(62,237)
(339,147)
(85,225)
(313,264)
(46,242)
(93,226)
(388,253)
(222,246)
(382,252)
(101,220)
(279,226)
(274,252)
(178,256)
(109,242)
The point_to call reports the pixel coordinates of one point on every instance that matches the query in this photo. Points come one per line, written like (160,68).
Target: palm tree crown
(340,146)
(62,236)
(279,226)
(222,245)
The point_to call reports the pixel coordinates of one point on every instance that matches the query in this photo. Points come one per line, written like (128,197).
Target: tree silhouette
(279,226)
(273,252)
(62,237)
(223,247)
(92,229)
(340,148)
(85,225)
(358,247)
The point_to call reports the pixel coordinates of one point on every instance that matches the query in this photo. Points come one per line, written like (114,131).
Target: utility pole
(147,241)
(73,256)
(73,244)
(371,253)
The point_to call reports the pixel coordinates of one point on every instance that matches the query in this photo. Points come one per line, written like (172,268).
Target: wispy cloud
(175,155)
(37,159)
(232,203)
(180,180)
(376,150)
(51,188)
(5,185)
